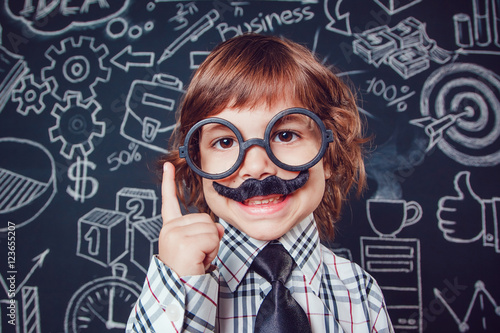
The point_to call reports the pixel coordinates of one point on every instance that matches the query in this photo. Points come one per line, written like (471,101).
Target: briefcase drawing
(150,111)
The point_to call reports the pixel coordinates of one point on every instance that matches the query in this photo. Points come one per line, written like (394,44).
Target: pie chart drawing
(27,181)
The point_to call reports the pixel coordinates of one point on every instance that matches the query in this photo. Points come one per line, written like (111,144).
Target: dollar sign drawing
(78,173)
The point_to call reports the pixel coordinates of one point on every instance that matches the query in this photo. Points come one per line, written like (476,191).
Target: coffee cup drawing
(388,217)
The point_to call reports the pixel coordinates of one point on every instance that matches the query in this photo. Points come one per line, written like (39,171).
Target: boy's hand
(189,243)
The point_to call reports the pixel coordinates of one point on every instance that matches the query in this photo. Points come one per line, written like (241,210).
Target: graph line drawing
(481,294)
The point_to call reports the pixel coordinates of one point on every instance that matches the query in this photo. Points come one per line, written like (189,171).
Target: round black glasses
(295,140)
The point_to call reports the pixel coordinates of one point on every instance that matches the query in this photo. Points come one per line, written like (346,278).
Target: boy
(268,144)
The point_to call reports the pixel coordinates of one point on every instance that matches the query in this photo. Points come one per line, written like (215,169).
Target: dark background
(77,174)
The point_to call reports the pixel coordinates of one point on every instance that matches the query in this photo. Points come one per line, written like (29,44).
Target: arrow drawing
(126,59)
(336,24)
(435,128)
(39,259)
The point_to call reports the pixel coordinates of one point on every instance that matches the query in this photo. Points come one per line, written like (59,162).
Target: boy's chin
(264,235)
(262,230)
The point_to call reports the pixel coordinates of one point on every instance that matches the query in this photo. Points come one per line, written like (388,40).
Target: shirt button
(173,312)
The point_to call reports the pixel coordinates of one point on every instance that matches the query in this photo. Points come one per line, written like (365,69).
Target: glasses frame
(326,139)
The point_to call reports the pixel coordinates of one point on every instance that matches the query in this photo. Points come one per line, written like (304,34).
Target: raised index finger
(170,208)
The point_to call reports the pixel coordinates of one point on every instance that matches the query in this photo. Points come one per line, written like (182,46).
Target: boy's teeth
(262,202)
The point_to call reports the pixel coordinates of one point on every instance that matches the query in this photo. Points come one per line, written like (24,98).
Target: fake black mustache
(271,185)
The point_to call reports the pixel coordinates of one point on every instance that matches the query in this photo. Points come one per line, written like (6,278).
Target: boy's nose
(256,164)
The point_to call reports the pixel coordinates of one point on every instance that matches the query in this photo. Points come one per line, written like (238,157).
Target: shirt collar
(237,252)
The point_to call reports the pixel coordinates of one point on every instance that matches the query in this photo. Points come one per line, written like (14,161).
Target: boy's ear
(328,170)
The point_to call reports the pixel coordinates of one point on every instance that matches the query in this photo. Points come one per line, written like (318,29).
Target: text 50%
(124,157)
(390,93)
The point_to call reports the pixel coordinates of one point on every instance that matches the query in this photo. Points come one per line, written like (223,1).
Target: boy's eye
(224,143)
(285,136)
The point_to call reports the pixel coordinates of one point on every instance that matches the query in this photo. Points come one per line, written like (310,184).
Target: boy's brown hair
(252,69)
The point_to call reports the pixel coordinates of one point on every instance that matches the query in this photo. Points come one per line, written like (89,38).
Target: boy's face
(270,217)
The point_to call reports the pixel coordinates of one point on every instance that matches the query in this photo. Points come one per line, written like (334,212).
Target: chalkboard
(88,92)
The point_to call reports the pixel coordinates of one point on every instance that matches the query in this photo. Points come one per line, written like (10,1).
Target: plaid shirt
(336,294)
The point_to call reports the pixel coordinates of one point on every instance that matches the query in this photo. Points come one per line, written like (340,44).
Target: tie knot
(273,263)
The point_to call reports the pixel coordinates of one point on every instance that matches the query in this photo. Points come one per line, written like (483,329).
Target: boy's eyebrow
(296,117)
(214,127)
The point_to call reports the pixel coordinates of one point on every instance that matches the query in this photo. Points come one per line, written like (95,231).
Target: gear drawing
(76,68)
(76,126)
(29,94)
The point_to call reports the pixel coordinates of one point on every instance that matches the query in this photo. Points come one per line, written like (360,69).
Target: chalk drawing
(31,310)
(25,194)
(12,69)
(395,261)
(481,18)
(28,301)
(124,157)
(117,27)
(102,304)
(338,23)
(395,6)
(196,58)
(461,113)
(406,47)
(479,301)
(482,222)
(138,203)
(496,21)
(102,236)
(182,11)
(76,126)
(126,58)
(193,33)
(76,68)
(390,93)
(387,217)
(37,264)
(64,16)
(106,236)
(144,243)
(29,95)
(150,117)
(266,23)
(396,264)
(463,30)
(476,29)
(85,187)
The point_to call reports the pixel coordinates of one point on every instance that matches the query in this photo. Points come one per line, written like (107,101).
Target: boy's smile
(264,217)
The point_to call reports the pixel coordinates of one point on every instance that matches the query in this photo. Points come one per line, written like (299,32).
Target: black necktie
(279,312)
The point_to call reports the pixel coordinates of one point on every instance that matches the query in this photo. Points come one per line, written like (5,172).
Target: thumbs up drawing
(461,217)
